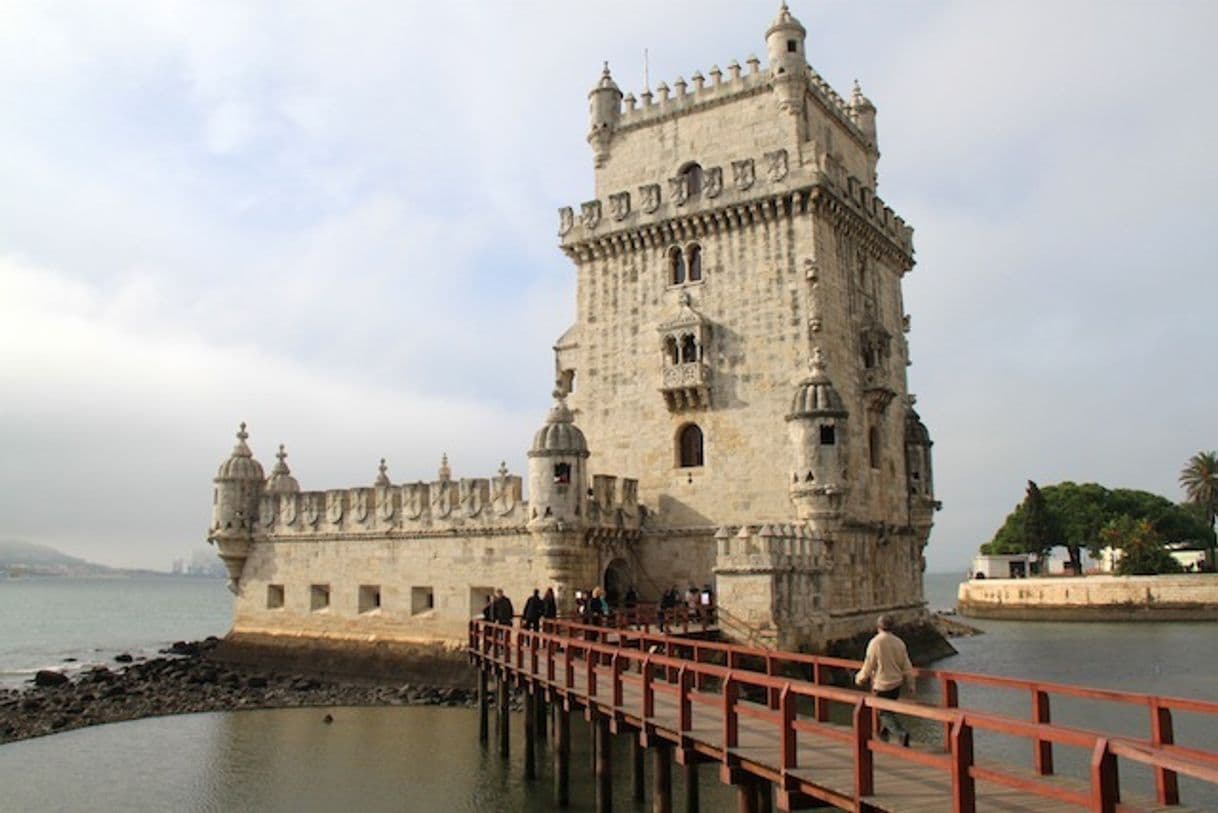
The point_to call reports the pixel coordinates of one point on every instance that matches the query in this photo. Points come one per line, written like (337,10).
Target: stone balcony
(878,388)
(686,386)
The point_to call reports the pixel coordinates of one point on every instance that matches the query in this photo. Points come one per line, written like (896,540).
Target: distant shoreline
(1092,598)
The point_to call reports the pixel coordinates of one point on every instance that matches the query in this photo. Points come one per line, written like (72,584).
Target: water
(430,759)
(45,620)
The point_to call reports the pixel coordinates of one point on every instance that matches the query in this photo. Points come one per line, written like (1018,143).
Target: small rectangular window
(369,597)
(562,473)
(422,599)
(828,435)
(274,596)
(791,46)
(319,597)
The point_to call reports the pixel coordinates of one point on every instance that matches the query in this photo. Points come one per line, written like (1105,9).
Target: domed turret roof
(606,81)
(560,435)
(281,480)
(785,21)
(816,397)
(916,431)
(241,464)
(857,100)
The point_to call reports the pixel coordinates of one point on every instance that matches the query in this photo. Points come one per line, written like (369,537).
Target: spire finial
(445,472)
(382,476)
(605,70)
(817,363)
(503,469)
(241,433)
(281,455)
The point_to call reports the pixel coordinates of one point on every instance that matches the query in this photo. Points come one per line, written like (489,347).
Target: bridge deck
(823,758)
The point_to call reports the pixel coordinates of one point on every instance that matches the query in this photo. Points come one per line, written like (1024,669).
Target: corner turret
(239,485)
(918,473)
(862,112)
(558,478)
(817,428)
(605,109)
(784,42)
(281,480)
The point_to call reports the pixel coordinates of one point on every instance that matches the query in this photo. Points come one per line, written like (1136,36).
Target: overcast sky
(336,221)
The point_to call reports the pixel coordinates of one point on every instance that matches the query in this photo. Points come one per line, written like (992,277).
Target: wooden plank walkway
(807,759)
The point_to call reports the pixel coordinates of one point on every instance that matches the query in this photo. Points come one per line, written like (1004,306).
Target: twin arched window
(684,352)
(685,265)
(689,446)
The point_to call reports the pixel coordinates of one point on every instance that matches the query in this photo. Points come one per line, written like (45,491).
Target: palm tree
(1200,481)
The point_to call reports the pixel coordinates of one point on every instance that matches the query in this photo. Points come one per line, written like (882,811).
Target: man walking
(887,666)
(533,611)
(503,610)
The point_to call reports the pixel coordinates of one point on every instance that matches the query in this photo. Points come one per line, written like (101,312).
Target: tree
(1199,478)
(1142,550)
(1039,527)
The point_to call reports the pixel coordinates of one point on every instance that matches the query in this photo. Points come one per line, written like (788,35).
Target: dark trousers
(888,720)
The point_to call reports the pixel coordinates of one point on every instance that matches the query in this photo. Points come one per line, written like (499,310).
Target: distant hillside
(18,557)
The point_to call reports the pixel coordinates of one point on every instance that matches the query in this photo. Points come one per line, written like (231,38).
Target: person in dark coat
(503,610)
(550,604)
(488,609)
(534,608)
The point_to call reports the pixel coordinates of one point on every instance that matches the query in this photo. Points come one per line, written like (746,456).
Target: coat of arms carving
(679,189)
(334,506)
(504,492)
(566,220)
(471,496)
(776,165)
(619,205)
(712,182)
(359,505)
(416,498)
(385,508)
(442,501)
(743,174)
(590,214)
(311,512)
(287,509)
(650,197)
(266,510)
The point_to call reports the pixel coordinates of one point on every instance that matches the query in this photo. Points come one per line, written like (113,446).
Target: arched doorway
(617,581)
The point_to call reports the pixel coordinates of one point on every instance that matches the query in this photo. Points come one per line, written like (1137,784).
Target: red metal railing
(698,672)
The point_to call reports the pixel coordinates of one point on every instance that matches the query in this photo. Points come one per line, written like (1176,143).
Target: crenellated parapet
(771,548)
(614,512)
(755,189)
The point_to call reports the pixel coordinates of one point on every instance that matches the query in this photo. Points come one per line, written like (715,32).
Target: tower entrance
(617,581)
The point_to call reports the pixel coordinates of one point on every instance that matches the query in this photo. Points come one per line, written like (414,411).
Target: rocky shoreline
(184,681)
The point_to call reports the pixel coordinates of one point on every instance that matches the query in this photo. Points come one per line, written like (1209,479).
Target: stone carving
(266,510)
(417,497)
(650,197)
(776,165)
(442,501)
(287,509)
(682,375)
(471,497)
(679,188)
(503,497)
(334,506)
(311,512)
(566,220)
(619,205)
(590,214)
(743,174)
(712,182)
(385,509)
(359,505)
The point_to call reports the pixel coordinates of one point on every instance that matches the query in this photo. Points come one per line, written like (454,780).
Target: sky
(337,222)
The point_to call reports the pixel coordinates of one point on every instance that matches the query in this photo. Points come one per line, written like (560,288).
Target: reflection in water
(390,759)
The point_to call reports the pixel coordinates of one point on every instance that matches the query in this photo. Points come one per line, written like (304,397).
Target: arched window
(873,446)
(689,446)
(671,352)
(676,267)
(693,179)
(689,349)
(695,263)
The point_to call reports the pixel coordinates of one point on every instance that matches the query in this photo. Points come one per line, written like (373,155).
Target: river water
(429,759)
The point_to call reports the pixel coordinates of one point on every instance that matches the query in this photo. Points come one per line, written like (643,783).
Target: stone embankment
(1191,597)
(182,682)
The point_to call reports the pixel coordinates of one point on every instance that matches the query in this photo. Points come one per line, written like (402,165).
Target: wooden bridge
(782,731)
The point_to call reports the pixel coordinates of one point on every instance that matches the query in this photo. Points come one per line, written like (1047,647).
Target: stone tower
(735,242)
(238,489)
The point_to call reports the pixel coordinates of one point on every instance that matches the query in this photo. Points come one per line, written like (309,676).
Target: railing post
(773,692)
(1105,785)
(788,756)
(1042,756)
(551,649)
(649,692)
(731,723)
(864,775)
(590,665)
(1166,786)
(685,715)
(617,680)
(950,700)
(820,704)
(964,791)
(700,678)
(568,677)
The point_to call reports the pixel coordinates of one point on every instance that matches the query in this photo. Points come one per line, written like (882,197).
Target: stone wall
(1093,598)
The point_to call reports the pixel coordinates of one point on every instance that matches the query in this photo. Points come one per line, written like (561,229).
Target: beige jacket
(886,663)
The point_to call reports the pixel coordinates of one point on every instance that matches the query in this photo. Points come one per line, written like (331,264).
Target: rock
(256,682)
(69,660)
(49,677)
(124,657)
(329,718)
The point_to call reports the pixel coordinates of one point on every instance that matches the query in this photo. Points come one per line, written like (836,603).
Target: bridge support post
(604,764)
(746,798)
(530,734)
(661,797)
(484,704)
(504,726)
(764,796)
(540,725)
(637,773)
(562,755)
(692,789)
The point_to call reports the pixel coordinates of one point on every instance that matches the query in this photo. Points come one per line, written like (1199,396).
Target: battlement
(649,108)
(784,547)
(726,201)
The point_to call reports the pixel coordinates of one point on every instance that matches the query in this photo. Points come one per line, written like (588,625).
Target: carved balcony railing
(686,386)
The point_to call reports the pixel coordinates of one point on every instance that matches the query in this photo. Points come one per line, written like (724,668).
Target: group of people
(698,603)
(499,609)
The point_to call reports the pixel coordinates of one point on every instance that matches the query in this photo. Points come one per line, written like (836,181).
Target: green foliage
(1075,515)
(1199,478)
(1143,551)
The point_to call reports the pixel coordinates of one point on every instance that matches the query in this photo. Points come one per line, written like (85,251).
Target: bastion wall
(1093,598)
